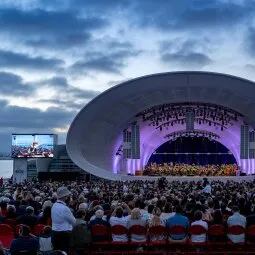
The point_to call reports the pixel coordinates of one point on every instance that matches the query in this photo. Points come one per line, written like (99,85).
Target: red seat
(17,228)
(157,232)
(139,231)
(119,230)
(197,230)
(39,229)
(177,230)
(216,232)
(235,230)
(10,222)
(250,236)
(6,235)
(102,232)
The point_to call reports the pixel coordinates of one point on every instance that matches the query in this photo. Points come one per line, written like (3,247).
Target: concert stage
(189,178)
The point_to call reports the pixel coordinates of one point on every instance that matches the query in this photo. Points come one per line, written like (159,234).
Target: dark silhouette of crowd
(71,211)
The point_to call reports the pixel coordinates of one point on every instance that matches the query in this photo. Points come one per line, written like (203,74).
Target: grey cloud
(48,28)
(110,63)
(62,41)
(17,118)
(71,105)
(197,14)
(250,41)
(185,52)
(10,59)
(13,85)
(63,87)
(187,59)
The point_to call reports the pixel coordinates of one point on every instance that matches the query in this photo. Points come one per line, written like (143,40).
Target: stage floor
(189,178)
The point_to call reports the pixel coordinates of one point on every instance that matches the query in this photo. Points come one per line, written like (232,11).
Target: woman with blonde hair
(136,219)
(156,221)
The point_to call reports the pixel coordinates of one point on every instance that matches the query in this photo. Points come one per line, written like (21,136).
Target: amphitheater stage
(189,178)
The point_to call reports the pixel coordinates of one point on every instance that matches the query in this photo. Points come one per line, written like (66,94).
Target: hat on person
(63,192)
(99,214)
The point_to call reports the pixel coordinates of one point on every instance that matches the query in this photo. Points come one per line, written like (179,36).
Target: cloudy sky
(56,55)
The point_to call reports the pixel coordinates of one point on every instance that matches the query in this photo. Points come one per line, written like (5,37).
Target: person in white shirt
(198,221)
(62,220)
(236,220)
(136,219)
(117,218)
(207,188)
(167,213)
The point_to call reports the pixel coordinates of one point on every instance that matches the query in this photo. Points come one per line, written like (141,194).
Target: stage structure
(116,133)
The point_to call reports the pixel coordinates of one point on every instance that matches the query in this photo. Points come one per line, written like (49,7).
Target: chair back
(10,222)
(216,230)
(39,229)
(119,230)
(236,230)
(157,230)
(6,235)
(197,230)
(250,232)
(5,230)
(99,230)
(177,230)
(138,230)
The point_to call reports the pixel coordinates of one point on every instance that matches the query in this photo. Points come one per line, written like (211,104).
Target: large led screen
(32,146)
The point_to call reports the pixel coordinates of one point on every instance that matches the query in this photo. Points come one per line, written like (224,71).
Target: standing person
(62,220)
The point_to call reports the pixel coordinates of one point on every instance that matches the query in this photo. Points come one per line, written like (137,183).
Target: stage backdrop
(194,145)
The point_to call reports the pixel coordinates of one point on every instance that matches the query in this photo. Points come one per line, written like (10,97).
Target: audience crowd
(71,209)
(190,170)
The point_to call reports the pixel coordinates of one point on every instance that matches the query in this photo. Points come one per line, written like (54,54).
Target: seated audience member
(45,244)
(180,220)
(167,213)
(25,243)
(3,208)
(236,220)
(11,212)
(28,218)
(148,216)
(217,218)
(97,208)
(19,210)
(156,221)
(81,235)
(199,222)
(251,218)
(99,221)
(45,219)
(118,218)
(136,219)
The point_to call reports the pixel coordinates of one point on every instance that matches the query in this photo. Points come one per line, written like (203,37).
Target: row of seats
(214,232)
(7,232)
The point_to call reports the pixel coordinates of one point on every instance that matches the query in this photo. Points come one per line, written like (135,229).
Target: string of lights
(194,133)
(167,115)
